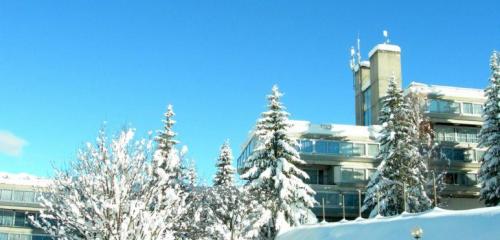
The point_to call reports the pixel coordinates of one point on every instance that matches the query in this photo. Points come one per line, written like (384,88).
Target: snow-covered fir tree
(489,137)
(167,164)
(107,194)
(227,200)
(401,165)
(273,177)
(166,158)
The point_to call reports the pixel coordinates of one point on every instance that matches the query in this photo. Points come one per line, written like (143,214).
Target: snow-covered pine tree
(227,200)
(273,176)
(489,137)
(166,158)
(401,164)
(106,194)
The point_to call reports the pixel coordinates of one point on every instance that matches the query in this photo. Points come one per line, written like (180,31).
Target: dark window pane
(320,146)
(306,146)
(20,219)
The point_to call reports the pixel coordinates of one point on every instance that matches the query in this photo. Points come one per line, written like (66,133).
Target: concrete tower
(371,80)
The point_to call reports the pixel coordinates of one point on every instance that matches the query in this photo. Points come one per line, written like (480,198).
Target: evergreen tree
(167,165)
(227,200)
(273,176)
(401,167)
(489,137)
(166,159)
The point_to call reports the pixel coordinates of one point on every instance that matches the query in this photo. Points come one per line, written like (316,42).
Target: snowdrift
(476,224)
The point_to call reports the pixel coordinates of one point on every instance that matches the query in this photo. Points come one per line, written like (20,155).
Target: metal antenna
(386,36)
(359,49)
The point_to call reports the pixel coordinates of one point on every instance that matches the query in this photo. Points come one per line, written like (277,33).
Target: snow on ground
(477,224)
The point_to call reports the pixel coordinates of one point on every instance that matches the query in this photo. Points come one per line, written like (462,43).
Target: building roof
(23,179)
(384,47)
(335,130)
(446,91)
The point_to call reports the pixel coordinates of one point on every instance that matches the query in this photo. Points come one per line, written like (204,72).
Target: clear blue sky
(67,66)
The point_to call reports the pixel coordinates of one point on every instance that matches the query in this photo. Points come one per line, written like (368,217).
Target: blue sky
(67,66)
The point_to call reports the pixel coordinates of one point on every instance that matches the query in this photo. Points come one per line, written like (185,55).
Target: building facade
(341,158)
(18,201)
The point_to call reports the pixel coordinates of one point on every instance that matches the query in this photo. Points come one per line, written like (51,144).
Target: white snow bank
(474,224)
(23,179)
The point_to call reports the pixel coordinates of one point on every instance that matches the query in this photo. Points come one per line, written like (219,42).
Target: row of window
(338,148)
(17,196)
(457,134)
(12,236)
(465,179)
(461,154)
(447,106)
(11,218)
(317,176)
(356,174)
(335,199)
(246,153)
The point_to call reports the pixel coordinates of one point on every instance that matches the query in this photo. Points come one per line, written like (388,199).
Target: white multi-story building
(341,158)
(18,200)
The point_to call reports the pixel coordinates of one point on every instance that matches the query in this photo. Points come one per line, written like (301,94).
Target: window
(358,149)
(479,155)
(470,179)
(17,196)
(346,148)
(4,236)
(6,195)
(40,237)
(477,109)
(467,108)
(451,178)
(373,150)
(352,174)
(367,107)
(472,135)
(351,200)
(6,218)
(465,179)
(370,172)
(321,147)
(315,176)
(443,106)
(29,197)
(20,219)
(306,146)
(331,199)
(457,134)
(19,237)
(358,174)
(449,134)
(333,147)
(454,154)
